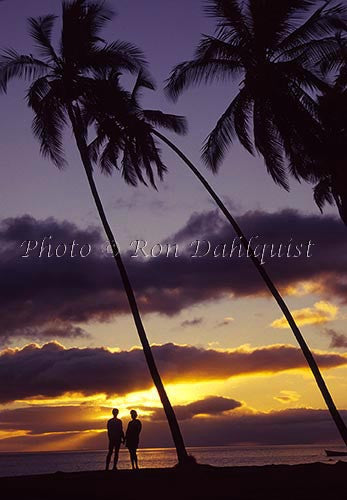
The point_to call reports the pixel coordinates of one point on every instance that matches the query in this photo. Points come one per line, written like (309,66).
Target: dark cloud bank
(49,297)
(43,419)
(221,425)
(52,370)
(211,405)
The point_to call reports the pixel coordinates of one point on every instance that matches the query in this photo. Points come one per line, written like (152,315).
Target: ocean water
(17,464)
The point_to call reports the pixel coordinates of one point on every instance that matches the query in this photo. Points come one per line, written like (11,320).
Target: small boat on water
(331,453)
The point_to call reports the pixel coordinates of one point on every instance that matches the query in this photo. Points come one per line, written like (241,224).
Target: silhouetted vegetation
(290,63)
(285,109)
(284,55)
(61,83)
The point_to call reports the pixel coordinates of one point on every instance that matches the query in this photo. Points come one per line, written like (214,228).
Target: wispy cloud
(336,339)
(192,322)
(226,321)
(321,312)
(287,397)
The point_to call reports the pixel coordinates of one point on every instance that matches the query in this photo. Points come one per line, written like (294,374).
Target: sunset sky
(69,348)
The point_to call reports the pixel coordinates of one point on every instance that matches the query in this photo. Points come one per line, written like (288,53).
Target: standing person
(115,437)
(132,438)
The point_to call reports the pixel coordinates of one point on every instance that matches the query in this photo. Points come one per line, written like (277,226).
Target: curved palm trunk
(301,341)
(169,412)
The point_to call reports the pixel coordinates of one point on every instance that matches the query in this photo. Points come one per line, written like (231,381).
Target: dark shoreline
(269,482)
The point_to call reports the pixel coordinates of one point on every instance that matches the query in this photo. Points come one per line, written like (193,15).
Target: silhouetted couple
(116,437)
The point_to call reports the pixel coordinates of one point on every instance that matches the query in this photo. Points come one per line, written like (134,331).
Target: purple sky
(222,307)
(167,32)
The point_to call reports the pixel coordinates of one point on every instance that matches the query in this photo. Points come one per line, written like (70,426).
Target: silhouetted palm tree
(263,45)
(60,81)
(124,131)
(121,123)
(325,163)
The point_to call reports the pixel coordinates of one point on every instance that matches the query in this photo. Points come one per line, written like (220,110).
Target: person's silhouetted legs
(108,458)
(133,458)
(116,454)
(115,447)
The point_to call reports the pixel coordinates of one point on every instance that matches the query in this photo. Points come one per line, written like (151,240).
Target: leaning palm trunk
(300,339)
(77,126)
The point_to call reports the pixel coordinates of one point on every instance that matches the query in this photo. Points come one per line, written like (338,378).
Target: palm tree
(325,164)
(60,81)
(261,44)
(275,60)
(123,125)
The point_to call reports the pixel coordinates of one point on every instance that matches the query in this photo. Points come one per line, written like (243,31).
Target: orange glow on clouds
(321,312)
(303,288)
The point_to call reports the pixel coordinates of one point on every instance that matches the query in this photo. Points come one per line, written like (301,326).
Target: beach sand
(275,482)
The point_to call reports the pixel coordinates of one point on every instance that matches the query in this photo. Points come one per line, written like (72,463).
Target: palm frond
(177,124)
(336,59)
(341,79)
(229,14)
(156,158)
(306,104)
(196,72)
(322,23)
(312,53)
(38,90)
(40,30)
(267,140)
(322,193)
(242,116)
(131,172)
(118,54)
(149,156)
(297,73)
(211,47)
(143,80)
(109,157)
(144,157)
(123,126)
(15,65)
(272,21)
(48,123)
(296,117)
(221,137)
(96,145)
(96,15)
